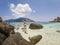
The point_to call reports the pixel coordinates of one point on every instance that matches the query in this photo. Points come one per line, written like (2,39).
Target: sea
(50,32)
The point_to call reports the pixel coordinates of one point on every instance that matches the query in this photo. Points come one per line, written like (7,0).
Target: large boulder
(35,26)
(6,28)
(16,39)
(2,38)
(35,39)
(1,19)
(58,31)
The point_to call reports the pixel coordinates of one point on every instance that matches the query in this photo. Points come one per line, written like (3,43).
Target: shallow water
(49,33)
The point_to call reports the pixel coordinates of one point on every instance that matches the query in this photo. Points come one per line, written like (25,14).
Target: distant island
(19,20)
(56,19)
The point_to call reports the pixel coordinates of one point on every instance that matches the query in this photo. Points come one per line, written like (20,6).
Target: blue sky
(41,10)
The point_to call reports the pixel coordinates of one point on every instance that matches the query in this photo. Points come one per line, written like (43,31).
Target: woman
(25,26)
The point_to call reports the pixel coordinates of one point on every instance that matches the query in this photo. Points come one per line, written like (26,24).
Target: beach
(49,34)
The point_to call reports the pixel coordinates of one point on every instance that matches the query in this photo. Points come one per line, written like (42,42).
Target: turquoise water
(47,27)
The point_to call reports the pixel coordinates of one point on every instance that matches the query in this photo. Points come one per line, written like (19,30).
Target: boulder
(16,39)
(9,41)
(58,31)
(0,19)
(35,26)
(35,39)
(2,38)
(6,28)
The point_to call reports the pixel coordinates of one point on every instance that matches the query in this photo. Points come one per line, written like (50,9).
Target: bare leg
(25,30)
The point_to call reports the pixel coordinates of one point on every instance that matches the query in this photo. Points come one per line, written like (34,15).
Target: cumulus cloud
(34,11)
(20,10)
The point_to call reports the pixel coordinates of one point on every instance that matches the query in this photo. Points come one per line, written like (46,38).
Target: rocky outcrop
(2,38)
(5,30)
(56,20)
(16,39)
(35,26)
(0,19)
(35,39)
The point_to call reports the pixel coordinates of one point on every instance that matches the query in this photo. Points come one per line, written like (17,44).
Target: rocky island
(56,19)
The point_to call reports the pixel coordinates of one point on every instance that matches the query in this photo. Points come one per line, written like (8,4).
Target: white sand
(48,38)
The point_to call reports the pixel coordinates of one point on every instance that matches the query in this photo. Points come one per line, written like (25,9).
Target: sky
(37,10)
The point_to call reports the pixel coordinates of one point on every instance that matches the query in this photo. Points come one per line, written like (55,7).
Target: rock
(2,38)
(35,39)
(6,28)
(16,39)
(9,41)
(0,19)
(35,26)
(56,19)
(58,31)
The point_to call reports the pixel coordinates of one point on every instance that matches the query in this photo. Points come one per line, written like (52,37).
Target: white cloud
(12,6)
(34,11)
(20,10)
